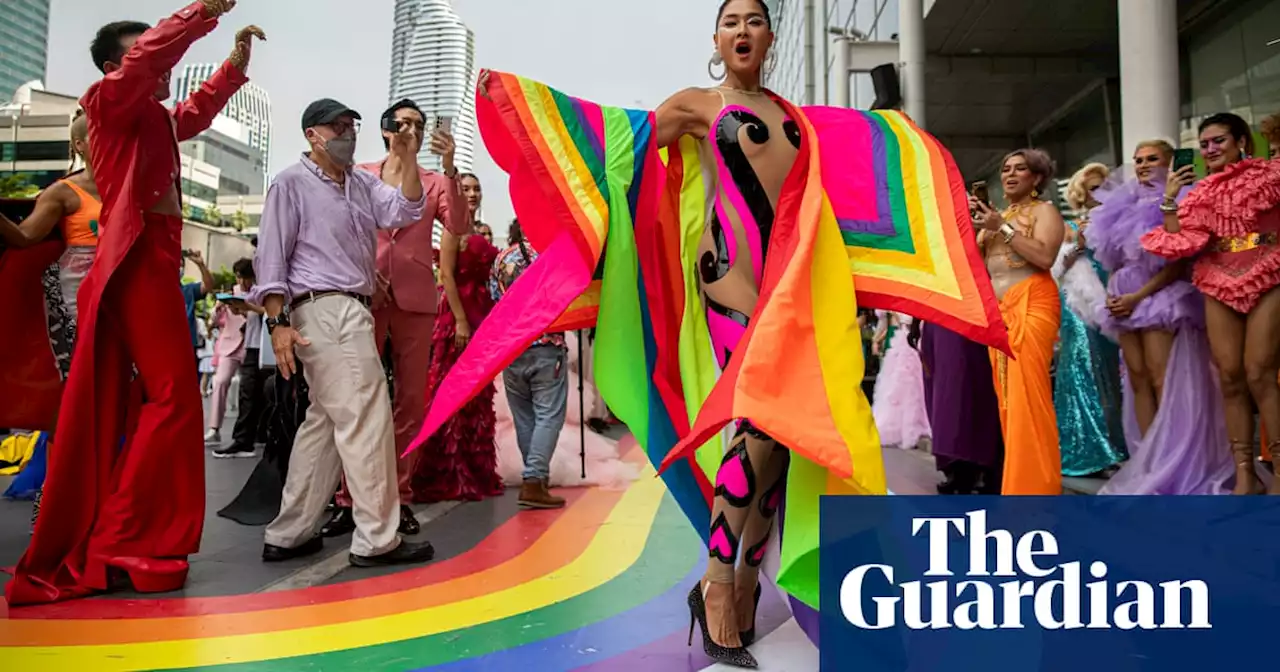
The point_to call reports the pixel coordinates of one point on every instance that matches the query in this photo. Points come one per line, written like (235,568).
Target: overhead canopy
(1002,71)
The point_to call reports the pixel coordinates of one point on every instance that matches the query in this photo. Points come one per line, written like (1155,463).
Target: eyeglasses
(341,127)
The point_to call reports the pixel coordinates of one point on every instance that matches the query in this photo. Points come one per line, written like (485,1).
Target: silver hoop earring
(770,62)
(716,59)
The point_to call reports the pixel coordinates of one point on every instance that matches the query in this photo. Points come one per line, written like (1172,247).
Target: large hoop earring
(770,62)
(716,59)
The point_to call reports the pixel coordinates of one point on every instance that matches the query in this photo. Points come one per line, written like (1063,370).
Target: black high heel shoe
(738,657)
(748,637)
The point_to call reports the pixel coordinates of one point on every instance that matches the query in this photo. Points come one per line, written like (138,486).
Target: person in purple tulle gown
(1173,417)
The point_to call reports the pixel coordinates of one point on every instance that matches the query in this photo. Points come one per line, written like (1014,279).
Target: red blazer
(405,255)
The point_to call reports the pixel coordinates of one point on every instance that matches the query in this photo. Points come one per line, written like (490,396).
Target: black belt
(307,297)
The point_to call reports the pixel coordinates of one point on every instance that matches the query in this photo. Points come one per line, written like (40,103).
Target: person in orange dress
(1020,246)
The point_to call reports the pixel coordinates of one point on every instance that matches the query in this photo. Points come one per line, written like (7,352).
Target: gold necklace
(1021,217)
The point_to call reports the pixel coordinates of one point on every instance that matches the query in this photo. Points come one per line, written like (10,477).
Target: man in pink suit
(405,304)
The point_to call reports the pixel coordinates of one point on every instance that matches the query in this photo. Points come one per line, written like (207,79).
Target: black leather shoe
(407,553)
(280,554)
(408,523)
(340,523)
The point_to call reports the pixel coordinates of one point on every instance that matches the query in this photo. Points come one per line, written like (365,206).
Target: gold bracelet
(1008,232)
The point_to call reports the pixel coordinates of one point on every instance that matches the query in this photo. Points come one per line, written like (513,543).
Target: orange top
(80,228)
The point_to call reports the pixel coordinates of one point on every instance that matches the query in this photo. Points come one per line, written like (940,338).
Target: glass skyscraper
(251,106)
(433,64)
(24,44)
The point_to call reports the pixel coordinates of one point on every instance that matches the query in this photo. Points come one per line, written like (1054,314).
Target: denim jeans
(538,392)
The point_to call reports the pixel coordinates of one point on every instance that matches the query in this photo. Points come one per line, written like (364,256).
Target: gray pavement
(230,557)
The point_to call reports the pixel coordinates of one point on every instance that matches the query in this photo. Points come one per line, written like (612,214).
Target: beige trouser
(348,429)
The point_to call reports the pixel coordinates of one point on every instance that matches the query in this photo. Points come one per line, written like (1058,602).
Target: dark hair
(463,176)
(404,104)
(1238,127)
(106,47)
(515,235)
(243,268)
(768,20)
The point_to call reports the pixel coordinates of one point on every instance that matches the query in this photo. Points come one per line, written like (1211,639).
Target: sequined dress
(460,462)
(1086,391)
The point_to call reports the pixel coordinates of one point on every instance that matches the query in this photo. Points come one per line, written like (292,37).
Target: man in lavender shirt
(315,268)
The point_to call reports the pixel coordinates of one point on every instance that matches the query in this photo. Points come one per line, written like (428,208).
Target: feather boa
(1082,289)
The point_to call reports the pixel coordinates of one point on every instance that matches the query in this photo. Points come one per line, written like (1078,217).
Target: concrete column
(1149,100)
(911,41)
(842,98)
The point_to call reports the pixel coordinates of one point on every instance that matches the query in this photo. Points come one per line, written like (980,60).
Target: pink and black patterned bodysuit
(731,276)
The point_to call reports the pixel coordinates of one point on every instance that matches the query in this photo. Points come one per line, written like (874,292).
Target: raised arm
(50,209)
(685,113)
(391,206)
(194,115)
(152,57)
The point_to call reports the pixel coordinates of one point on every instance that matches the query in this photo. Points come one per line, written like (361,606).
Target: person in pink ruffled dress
(1229,225)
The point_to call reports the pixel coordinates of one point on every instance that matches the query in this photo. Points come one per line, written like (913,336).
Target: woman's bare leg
(1156,346)
(1262,363)
(1140,380)
(755,536)
(1226,341)
(739,483)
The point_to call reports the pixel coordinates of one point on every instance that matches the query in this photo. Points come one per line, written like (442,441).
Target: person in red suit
(134,512)
(405,305)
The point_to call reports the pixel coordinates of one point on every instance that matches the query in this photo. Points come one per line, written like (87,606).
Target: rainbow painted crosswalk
(598,585)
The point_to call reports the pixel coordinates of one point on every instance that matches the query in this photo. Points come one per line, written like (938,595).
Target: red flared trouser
(140,506)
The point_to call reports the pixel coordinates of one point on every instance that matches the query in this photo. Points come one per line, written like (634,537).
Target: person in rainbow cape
(721,246)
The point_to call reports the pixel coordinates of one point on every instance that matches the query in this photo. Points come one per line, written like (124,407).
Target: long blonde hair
(1077,189)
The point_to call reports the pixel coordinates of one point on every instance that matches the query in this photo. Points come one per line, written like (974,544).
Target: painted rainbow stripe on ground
(597,585)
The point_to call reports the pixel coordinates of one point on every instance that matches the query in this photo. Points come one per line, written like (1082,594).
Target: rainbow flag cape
(872,215)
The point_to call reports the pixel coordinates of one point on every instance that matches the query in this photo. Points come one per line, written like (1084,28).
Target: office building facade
(433,64)
(250,107)
(226,144)
(35,136)
(1085,80)
(24,44)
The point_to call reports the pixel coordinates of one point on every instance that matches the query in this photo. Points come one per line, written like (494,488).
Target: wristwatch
(280,320)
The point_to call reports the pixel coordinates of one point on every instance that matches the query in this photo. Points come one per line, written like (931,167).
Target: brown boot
(534,495)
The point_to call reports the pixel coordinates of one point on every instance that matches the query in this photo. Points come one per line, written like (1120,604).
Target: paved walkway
(598,585)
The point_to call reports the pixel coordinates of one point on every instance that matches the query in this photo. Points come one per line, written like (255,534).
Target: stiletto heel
(748,636)
(738,657)
(146,575)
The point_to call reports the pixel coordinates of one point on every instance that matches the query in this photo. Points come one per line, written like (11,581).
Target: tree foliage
(17,186)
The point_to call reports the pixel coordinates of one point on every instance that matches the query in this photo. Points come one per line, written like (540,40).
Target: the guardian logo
(1055,595)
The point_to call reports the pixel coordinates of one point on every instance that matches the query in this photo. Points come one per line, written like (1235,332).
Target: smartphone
(390,125)
(1182,158)
(230,298)
(979,191)
(444,124)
